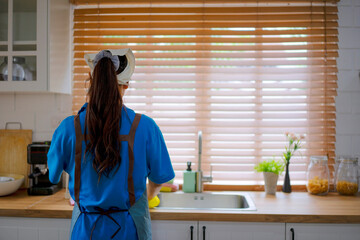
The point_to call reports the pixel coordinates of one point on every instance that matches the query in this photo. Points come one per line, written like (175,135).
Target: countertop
(295,207)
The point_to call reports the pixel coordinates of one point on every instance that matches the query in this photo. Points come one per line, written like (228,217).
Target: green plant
(274,166)
(294,144)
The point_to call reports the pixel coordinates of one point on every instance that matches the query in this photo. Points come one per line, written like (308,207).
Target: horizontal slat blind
(96,2)
(243,72)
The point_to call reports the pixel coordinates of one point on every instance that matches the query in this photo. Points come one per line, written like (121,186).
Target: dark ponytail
(103,117)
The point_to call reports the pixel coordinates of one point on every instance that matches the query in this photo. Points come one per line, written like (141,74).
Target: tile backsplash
(41,112)
(348,99)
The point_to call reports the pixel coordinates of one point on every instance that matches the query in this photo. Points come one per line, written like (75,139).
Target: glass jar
(18,69)
(318,176)
(3,70)
(358,174)
(336,167)
(358,156)
(347,176)
(28,76)
(18,73)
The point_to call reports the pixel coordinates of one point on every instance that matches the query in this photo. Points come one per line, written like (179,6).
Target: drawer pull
(292,233)
(191,232)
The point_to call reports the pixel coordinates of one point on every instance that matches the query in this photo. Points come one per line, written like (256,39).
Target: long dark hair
(103,118)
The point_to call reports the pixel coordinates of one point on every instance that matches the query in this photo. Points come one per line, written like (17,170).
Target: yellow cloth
(169,186)
(165,189)
(154,202)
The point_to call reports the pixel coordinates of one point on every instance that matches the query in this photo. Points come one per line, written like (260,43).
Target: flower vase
(287,186)
(270,182)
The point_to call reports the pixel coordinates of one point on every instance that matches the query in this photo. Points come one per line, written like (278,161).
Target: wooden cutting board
(13,152)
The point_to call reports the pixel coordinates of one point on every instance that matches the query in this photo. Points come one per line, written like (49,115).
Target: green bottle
(189,180)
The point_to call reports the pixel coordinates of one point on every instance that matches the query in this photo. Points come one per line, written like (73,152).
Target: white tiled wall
(42,112)
(348,99)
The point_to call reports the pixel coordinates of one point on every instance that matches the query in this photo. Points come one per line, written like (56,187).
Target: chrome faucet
(199,175)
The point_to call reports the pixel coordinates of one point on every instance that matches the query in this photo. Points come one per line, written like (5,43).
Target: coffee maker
(39,183)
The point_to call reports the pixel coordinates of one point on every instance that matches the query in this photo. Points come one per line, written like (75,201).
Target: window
(242,72)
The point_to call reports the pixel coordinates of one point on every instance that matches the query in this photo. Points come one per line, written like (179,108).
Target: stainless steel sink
(207,201)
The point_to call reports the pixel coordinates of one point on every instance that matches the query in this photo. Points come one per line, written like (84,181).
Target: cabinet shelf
(24,53)
(19,46)
(24,42)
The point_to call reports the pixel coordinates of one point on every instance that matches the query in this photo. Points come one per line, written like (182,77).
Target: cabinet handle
(191,232)
(292,233)
(204,230)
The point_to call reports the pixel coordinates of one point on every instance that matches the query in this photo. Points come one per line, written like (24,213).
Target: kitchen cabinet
(35,46)
(16,228)
(317,231)
(241,231)
(174,230)
(162,230)
(23,228)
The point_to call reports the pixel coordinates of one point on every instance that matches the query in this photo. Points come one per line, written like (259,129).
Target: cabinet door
(23,45)
(18,228)
(241,231)
(4,22)
(317,231)
(174,230)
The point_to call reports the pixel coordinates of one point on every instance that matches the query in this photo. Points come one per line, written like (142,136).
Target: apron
(139,210)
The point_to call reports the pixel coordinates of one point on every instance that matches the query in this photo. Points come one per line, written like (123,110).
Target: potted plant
(271,170)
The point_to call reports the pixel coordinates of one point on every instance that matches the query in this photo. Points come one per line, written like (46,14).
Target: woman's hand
(153,189)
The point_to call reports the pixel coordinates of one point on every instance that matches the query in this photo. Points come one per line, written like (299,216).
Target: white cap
(123,77)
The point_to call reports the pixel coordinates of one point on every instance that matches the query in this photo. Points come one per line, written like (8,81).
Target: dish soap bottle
(189,179)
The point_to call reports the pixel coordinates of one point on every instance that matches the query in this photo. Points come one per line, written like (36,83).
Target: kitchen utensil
(18,72)
(39,183)
(13,151)
(9,187)
(6,179)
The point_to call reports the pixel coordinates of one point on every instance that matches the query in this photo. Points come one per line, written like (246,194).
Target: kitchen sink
(207,201)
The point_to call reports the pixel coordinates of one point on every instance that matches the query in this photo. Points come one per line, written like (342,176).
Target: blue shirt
(151,159)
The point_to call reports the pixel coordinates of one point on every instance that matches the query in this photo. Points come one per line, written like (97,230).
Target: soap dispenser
(189,180)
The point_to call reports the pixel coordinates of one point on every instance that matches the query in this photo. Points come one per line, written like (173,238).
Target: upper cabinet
(35,46)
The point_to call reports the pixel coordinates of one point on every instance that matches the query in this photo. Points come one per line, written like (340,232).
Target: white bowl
(9,187)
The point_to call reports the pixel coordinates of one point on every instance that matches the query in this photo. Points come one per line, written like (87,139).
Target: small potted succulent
(271,170)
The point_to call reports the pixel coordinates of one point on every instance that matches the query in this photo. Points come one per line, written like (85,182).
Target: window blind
(242,72)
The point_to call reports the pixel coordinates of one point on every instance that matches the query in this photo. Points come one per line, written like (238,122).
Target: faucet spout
(199,150)
(199,175)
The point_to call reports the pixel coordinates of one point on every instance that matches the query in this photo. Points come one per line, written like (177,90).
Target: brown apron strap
(124,137)
(131,139)
(78,151)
